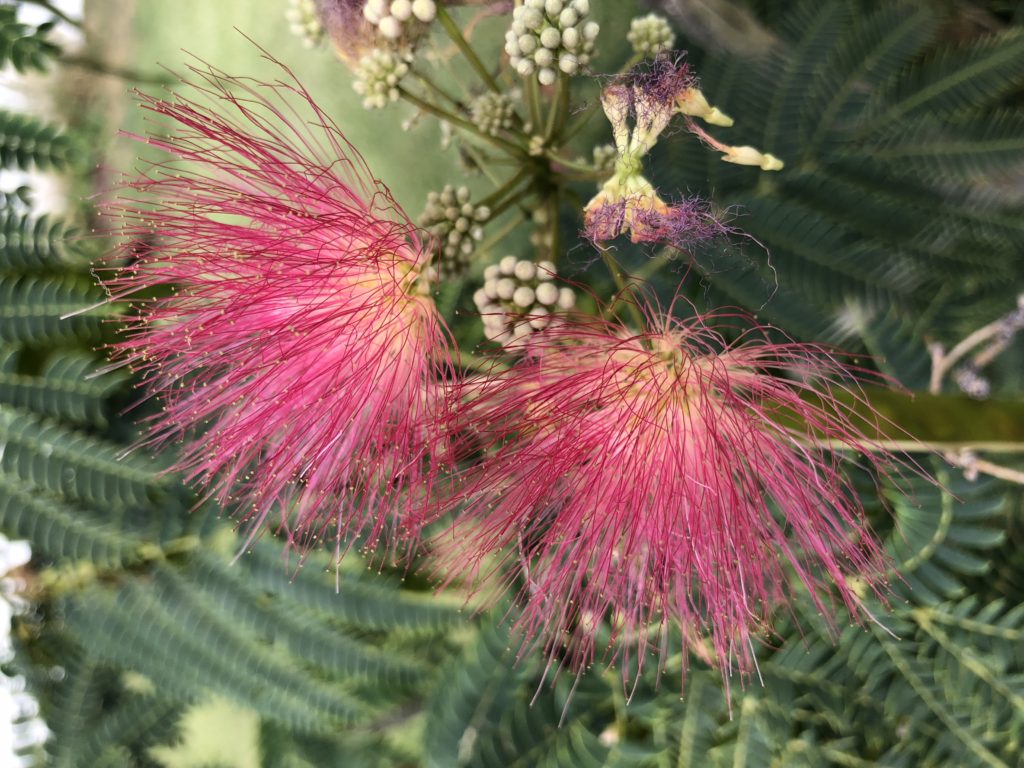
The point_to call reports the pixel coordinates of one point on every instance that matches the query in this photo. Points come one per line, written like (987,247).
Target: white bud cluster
(377,76)
(456,223)
(605,156)
(551,35)
(304,22)
(650,35)
(396,18)
(492,113)
(518,298)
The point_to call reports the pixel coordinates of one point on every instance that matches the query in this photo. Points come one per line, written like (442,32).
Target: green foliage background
(897,220)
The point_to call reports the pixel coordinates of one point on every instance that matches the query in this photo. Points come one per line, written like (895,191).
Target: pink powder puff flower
(282,318)
(635,481)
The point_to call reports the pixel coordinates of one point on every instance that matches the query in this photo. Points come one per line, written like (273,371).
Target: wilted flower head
(349,30)
(639,106)
(282,319)
(640,481)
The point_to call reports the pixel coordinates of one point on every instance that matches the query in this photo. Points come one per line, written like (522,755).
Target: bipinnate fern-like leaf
(24,46)
(41,310)
(66,388)
(72,464)
(895,145)
(30,244)
(945,534)
(26,143)
(62,532)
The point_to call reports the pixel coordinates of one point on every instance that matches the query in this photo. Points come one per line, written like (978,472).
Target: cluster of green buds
(493,112)
(650,35)
(496,126)
(377,76)
(518,298)
(456,224)
(548,36)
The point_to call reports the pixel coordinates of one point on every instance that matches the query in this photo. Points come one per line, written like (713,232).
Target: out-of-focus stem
(493,239)
(626,290)
(56,12)
(505,189)
(435,88)
(461,122)
(558,103)
(533,102)
(554,224)
(452,29)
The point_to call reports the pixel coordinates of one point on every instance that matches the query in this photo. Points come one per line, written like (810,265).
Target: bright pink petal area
(280,318)
(657,479)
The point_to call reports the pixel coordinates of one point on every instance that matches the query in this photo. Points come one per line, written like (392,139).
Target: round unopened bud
(544,57)
(540,318)
(566,298)
(375,10)
(424,10)
(401,9)
(506,288)
(390,27)
(568,63)
(524,270)
(524,67)
(532,18)
(567,18)
(582,7)
(547,293)
(547,76)
(523,297)
(571,38)
(507,266)
(550,38)
(552,7)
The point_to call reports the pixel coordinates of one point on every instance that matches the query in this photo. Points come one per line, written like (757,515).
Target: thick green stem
(555,110)
(452,29)
(533,100)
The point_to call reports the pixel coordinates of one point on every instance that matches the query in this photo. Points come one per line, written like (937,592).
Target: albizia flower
(282,319)
(640,481)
